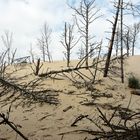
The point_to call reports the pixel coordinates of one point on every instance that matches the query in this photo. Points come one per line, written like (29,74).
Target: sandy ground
(46,122)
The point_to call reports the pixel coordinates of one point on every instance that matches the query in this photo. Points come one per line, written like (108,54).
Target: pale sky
(25,19)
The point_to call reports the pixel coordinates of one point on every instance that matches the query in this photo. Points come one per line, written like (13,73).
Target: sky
(25,18)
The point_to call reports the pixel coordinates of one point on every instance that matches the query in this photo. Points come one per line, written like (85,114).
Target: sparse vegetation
(75,95)
(133,82)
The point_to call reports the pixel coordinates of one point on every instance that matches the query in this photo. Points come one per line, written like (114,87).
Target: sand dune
(46,122)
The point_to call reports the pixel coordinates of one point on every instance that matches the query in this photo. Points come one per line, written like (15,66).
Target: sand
(47,122)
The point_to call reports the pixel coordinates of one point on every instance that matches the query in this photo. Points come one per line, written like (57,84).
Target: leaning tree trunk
(117,42)
(87,38)
(112,41)
(122,69)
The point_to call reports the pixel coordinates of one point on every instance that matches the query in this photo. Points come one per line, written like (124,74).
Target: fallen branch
(37,96)
(68,70)
(108,122)
(12,125)
(79,118)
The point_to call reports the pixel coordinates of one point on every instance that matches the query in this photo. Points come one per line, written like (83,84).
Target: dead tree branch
(68,70)
(12,125)
(30,94)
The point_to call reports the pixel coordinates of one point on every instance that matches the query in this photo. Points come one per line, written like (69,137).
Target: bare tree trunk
(86,14)
(7,40)
(43,54)
(13,56)
(96,67)
(37,68)
(87,36)
(81,52)
(48,52)
(122,69)
(135,33)
(133,45)
(68,41)
(117,42)
(127,43)
(32,54)
(44,42)
(68,58)
(112,40)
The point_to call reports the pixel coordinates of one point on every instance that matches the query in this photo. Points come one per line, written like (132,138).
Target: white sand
(46,122)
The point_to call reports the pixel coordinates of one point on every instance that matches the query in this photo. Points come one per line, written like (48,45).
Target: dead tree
(127,41)
(129,9)
(81,53)
(28,91)
(68,41)
(7,40)
(117,41)
(121,6)
(112,39)
(135,30)
(31,53)
(68,70)
(85,15)
(44,42)
(134,10)
(130,37)
(3,63)
(11,125)
(37,68)
(122,69)
(97,62)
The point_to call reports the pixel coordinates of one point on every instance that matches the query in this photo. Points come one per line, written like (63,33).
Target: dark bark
(68,70)
(87,35)
(122,69)
(112,40)
(38,67)
(5,120)
(133,44)
(127,43)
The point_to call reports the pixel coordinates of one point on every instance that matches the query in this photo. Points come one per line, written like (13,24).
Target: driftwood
(12,125)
